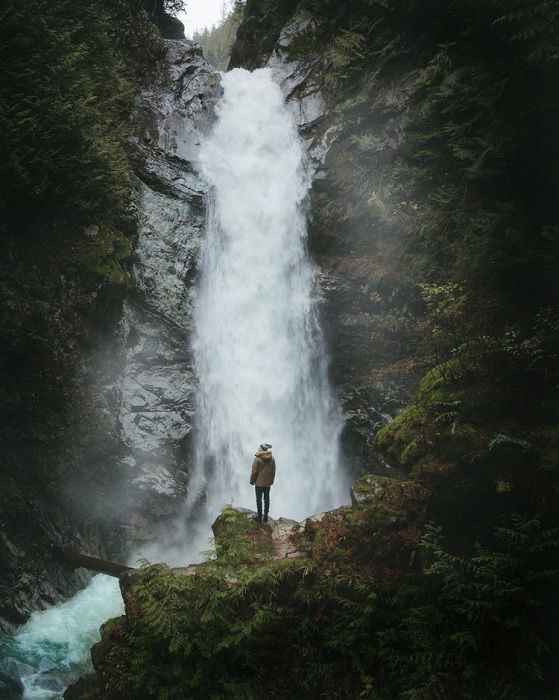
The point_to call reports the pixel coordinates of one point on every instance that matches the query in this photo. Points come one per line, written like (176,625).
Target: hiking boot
(265,518)
(257,518)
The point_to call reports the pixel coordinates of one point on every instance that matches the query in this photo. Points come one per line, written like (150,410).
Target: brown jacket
(263,469)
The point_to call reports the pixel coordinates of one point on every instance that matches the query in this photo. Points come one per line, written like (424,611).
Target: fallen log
(76,559)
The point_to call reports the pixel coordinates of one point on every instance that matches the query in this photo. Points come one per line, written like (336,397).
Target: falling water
(259,357)
(258,348)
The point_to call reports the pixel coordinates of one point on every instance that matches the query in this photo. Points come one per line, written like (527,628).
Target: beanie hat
(265,446)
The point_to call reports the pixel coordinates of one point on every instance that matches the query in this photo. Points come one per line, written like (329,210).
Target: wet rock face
(262,23)
(155,392)
(371,312)
(295,77)
(10,681)
(94,369)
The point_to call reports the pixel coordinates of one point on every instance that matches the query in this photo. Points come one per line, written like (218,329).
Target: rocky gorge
(127,374)
(448,402)
(114,382)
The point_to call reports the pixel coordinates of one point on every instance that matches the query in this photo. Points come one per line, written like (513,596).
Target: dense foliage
(460,215)
(337,622)
(474,183)
(70,71)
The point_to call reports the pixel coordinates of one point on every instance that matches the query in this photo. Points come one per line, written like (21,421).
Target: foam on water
(55,643)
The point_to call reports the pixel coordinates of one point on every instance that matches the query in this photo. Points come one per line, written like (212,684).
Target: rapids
(52,647)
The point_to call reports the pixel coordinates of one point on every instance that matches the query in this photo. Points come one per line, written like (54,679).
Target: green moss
(434,431)
(240,539)
(399,440)
(106,254)
(457,436)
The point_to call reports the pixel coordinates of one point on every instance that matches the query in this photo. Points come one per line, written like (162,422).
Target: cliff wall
(95,368)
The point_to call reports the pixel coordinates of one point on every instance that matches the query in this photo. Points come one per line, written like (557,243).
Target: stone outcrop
(276,532)
(384,523)
(262,23)
(371,490)
(169,26)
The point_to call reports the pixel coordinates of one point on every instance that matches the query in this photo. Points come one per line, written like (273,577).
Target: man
(262,477)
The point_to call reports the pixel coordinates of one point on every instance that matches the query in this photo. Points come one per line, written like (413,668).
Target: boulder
(85,688)
(170,27)
(11,685)
(373,488)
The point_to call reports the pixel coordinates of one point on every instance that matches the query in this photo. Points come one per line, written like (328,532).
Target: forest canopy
(217,41)
(70,72)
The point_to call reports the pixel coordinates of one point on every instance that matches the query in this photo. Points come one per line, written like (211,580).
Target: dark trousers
(262,491)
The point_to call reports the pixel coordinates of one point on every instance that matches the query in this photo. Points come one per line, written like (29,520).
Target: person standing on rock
(262,477)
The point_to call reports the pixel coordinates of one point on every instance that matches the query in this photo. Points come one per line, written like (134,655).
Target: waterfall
(259,356)
(258,348)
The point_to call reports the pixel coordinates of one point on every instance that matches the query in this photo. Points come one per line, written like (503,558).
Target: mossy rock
(232,522)
(435,431)
(372,488)
(239,538)
(111,633)
(85,688)
(398,440)
(130,581)
(106,253)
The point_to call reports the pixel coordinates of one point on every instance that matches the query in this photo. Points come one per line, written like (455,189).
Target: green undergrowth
(482,434)
(106,253)
(245,625)
(353,617)
(70,72)
(462,414)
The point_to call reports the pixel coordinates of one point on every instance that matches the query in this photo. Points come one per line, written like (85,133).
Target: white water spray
(53,645)
(258,349)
